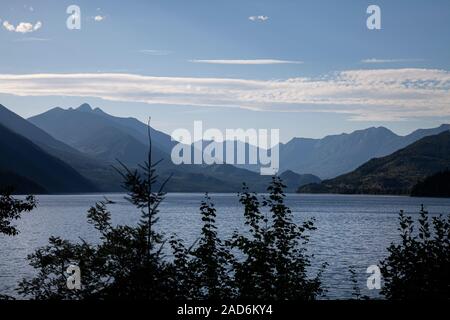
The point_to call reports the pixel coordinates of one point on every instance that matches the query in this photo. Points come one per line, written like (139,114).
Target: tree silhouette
(418,267)
(11,209)
(276,262)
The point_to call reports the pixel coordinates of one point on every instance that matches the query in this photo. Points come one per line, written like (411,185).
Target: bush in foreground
(419,267)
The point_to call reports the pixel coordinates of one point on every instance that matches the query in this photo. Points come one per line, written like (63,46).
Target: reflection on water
(352,230)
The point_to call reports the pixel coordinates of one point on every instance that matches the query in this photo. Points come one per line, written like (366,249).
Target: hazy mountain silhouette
(90,140)
(102,136)
(101,174)
(393,174)
(107,138)
(23,158)
(292,179)
(338,154)
(334,155)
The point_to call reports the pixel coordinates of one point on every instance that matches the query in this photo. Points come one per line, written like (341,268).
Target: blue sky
(310,68)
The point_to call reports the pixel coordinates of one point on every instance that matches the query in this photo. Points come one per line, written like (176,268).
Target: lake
(352,230)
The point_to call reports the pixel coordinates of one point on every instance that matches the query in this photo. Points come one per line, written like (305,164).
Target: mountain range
(90,141)
(335,155)
(397,173)
(48,174)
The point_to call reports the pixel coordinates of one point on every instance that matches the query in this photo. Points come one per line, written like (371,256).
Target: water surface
(352,230)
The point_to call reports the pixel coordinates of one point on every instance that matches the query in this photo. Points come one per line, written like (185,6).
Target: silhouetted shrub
(11,209)
(126,264)
(204,269)
(275,260)
(270,262)
(419,267)
(356,291)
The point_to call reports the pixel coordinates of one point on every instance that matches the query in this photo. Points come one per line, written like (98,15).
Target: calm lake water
(352,230)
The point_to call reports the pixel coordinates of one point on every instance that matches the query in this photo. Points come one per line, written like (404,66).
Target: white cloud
(374,60)
(258,18)
(247,61)
(154,52)
(99,18)
(37,26)
(23,27)
(9,26)
(386,94)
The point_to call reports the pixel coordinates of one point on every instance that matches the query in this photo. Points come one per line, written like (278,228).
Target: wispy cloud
(247,61)
(154,52)
(29,8)
(31,39)
(99,18)
(258,18)
(362,95)
(23,27)
(374,60)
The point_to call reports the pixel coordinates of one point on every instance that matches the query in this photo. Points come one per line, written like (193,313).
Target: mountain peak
(100,111)
(84,108)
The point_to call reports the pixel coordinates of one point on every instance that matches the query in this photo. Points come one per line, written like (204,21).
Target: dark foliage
(356,291)
(268,262)
(11,209)
(419,267)
(204,269)
(275,259)
(127,264)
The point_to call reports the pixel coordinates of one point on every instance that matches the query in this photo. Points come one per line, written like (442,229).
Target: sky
(308,68)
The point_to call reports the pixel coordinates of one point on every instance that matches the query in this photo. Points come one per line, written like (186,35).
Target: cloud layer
(386,94)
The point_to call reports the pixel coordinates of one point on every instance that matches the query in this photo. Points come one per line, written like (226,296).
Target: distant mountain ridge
(397,173)
(107,138)
(334,155)
(101,174)
(25,161)
(102,136)
(338,154)
(90,141)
